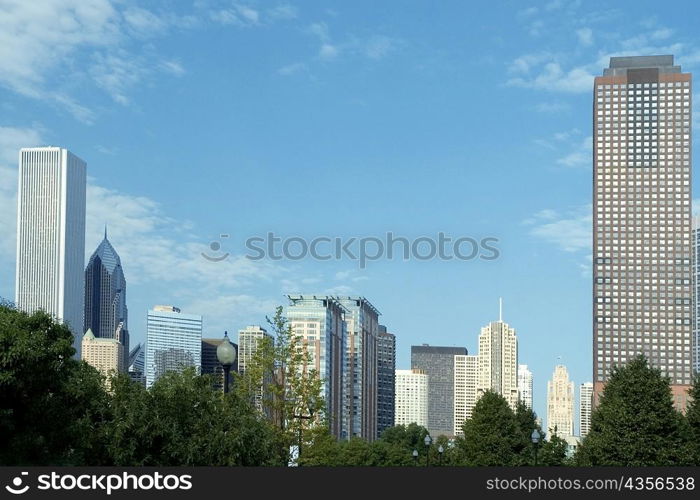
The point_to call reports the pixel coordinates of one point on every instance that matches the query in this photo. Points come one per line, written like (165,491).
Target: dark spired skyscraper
(105,296)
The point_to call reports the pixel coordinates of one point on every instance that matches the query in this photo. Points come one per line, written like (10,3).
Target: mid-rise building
(210,362)
(585,408)
(51,236)
(319,321)
(105,296)
(498,361)
(411,401)
(105,354)
(438,364)
(360,365)
(525,385)
(173,342)
(560,403)
(642,150)
(386,395)
(466,377)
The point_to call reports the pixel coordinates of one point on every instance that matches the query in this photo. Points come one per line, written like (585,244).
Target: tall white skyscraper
(498,361)
(411,397)
(466,376)
(560,403)
(585,406)
(525,385)
(51,235)
(173,342)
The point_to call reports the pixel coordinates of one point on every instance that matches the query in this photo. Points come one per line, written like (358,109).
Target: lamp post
(226,354)
(441,450)
(536,437)
(415,457)
(428,440)
(312,409)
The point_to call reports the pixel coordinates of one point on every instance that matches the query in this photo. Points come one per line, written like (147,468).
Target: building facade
(249,340)
(173,342)
(695,245)
(585,407)
(466,376)
(438,364)
(360,368)
(105,297)
(136,364)
(386,395)
(411,401)
(498,361)
(525,385)
(560,403)
(104,354)
(642,148)
(51,236)
(320,321)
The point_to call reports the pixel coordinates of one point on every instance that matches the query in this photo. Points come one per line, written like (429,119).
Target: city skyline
(133,165)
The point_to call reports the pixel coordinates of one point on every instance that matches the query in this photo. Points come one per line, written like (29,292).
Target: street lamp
(427,442)
(312,409)
(441,450)
(415,456)
(226,354)
(536,437)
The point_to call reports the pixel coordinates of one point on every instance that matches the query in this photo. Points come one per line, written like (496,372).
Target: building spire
(105,231)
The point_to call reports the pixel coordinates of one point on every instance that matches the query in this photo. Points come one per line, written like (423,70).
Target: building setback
(386,395)
(642,219)
(438,363)
(51,236)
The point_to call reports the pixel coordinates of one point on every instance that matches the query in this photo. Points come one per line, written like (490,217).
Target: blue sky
(334,119)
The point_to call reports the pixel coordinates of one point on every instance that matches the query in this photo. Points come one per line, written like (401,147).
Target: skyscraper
(560,403)
(498,361)
(173,342)
(210,362)
(585,407)
(249,340)
(411,397)
(641,219)
(105,297)
(438,363)
(695,245)
(51,236)
(104,354)
(136,364)
(360,368)
(321,324)
(525,385)
(466,376)
(386,358)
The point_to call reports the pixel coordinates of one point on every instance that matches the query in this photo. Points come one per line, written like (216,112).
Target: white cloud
(552,107)
(117,73)
(291,69)
(328,51)
(283,12)
(552,77)
(662,34)
(570,231)
(143,22)
(378,47)
(580,156)
(173,67)
(585,36)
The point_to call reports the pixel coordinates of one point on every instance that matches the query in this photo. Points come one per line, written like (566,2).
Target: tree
(492,436)
(280,377)
(635,423)
(51,406)
(693,420)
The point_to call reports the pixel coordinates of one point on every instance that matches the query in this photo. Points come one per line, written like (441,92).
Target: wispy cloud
(585,36)
(291,69)
(570,231)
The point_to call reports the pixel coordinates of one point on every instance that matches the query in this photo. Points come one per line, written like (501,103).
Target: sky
(336,119)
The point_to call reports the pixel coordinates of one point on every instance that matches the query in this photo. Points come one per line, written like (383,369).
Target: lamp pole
(415,457)
(427,442)
(441,450)
(226,355)
(536,437)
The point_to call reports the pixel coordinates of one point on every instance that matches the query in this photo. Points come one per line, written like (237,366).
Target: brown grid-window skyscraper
(641,218)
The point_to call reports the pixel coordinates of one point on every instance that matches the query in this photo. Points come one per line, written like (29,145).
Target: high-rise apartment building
(560,403)
(210,362)
(104,354)
(386,359)
(438,363)
(411,397)
(695,245)
(360,368)
(51,236)
(641,219)
(525,385)
(105,297)
(466,377)
(249,340)
(173,342)
(498,361)
(585,407)
(320,321)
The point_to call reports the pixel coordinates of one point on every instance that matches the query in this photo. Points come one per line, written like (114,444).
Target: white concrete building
(411,397)
(585,407)
(498,361)
(466,376)
(560,403)
(525,385)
